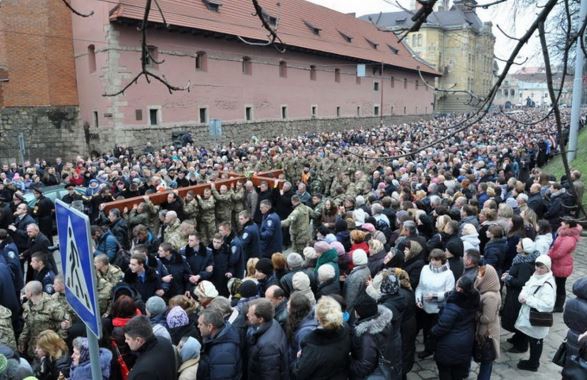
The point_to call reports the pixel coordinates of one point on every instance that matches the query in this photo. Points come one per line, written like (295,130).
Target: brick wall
(36,49)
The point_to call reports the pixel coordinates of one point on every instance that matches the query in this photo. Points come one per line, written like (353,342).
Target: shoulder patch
(233,249)
(269,223)
(245,235)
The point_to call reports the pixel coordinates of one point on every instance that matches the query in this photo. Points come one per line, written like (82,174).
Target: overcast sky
(500,14)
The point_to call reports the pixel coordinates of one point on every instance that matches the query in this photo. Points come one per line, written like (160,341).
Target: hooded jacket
(488,320)
(562,250)
(83,370)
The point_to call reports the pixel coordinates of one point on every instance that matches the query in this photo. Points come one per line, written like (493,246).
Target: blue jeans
(485,370)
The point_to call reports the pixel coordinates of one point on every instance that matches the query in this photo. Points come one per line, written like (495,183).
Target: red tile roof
(235,17)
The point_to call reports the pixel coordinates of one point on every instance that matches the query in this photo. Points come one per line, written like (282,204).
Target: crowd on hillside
(333,275)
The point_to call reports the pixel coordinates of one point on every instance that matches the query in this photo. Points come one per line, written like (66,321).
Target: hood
(574,232)
(465,301)
(489,282)
(376,324)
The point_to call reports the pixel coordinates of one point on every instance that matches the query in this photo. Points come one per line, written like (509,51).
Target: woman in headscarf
(189,353)
(81,368)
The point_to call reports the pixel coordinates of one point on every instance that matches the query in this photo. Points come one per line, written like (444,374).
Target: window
(337,75)
(152,57)
(249,113)
(376,110)
(405,111)
(358,110)
(283,69)
(284,112)
(512,92)
(392,82)
(203,111)
(213,5)
(372,43)
(346,37)
(154,116)
(92,58)
(405,82)
(314,29)
(358,80)
(417,84)
(96,120)
(312,72)
(201,61)
(337,111)
(139,115)
(314,110)
(247,66)
(376,86)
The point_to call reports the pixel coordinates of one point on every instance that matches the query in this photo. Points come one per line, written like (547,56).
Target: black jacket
(199,259)
(147,288)
(120,231)
(574,316)
(20,236)
(325,355)
(328,288)
(267,353)
(178,267)
(536,203)
(520,273)
(156,361)
(220,357)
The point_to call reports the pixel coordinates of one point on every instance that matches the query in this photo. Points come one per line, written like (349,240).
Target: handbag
(560,356)
(576,367)
(540,318)
(484,350)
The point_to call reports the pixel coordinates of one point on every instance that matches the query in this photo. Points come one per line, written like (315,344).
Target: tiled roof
(326,34)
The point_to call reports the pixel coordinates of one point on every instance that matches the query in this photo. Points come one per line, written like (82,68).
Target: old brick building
(38,91)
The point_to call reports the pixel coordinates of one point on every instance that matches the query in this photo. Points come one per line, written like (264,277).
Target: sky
(500,14)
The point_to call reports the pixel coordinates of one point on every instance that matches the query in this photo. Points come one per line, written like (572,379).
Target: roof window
(313,28)
(346,37)
(213,5)
(373,44)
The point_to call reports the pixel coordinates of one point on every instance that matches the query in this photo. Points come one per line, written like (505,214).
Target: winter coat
(188,370)
(156,360)
(83,371)
(354,283)
(562,250)
(454,245)
(574,316)
(120,231)
(49,368)
(371,339)
(437,281)
(107,245)
(325,354)
(176,333)
(178,267)
(413,266)
(328,288)
(221,267)
(306,326)
(328,257)
(543,243)
(471,242)
(519,273)
(488,321)
(271,235)
(455,329)
(199,259)
(220,357)
(286,282)
(267,352)
(375,262)
(494,253)
(146,289)
(540,294)
(409,329)
(251,240)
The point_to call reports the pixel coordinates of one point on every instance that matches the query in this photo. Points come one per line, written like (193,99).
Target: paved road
(506,367)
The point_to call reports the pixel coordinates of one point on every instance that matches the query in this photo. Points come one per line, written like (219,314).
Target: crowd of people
(331,275)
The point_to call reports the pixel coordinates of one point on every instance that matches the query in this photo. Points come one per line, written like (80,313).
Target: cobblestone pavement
(505,367)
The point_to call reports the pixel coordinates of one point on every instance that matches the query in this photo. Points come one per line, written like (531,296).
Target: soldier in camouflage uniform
(138,215)
(59,296)
(108,277)
(172,231)
(238,203)
(223,201)
(191,208)
(40,312)
(207,216)
(6,331)
(153,212)
(299,225)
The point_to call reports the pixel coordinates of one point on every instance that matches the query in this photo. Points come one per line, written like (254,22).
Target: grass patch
(556,168)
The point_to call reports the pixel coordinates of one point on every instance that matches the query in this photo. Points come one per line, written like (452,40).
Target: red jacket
(561,252)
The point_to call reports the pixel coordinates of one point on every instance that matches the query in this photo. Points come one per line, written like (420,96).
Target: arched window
(92,58)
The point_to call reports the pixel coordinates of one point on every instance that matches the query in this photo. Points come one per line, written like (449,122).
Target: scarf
(440,269)
(523,258)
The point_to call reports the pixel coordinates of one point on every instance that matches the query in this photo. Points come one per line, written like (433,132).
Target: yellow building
(456,43)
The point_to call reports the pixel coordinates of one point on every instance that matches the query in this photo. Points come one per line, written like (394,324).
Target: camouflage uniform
(45,315)
(191,211)
(60,299)
(135,218)
(299,227)
(223,206)
(208,219)
(153,212)
(106,282)
(6,331)
(238,205)
(173,235)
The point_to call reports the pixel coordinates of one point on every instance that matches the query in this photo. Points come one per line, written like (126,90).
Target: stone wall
(48,132)
(104,139)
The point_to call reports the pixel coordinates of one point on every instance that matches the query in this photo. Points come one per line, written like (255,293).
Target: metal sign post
(77,263)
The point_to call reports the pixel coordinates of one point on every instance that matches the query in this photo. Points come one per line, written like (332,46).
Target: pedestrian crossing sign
(73,230)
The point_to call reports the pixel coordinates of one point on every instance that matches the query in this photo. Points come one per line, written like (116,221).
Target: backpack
(122,258)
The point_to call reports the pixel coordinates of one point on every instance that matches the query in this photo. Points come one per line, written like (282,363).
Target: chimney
(467,6)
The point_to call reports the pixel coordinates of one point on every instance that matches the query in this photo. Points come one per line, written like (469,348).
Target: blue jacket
(574,316)
(84,370)
(271,235)
(455,329)
(107,245)
(9,256)
(494,253)
(251,240)
(8,297)
(267,352)
(220,357)
(236,263)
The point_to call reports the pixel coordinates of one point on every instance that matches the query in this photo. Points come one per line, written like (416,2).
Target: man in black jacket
(18,227)
(145,280)
(155,355)
(43,212)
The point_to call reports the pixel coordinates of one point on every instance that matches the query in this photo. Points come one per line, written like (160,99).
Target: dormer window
(346,37)
(400,21)
(271,20)
(371,43)
(393,50)
(313,28)
(213,5)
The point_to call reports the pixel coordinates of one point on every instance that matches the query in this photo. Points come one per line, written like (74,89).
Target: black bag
(560,356)
(540,318)
(576,367)
(484,350)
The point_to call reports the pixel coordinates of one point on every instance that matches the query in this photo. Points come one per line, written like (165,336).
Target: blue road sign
(73,230)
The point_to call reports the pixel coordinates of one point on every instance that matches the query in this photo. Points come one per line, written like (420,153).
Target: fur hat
(359,257)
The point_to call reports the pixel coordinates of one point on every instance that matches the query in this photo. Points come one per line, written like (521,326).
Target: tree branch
(75,11)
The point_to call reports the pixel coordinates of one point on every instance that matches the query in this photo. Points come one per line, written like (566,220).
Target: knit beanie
(248,289)
(326,272)
(155,305)
(321,247)
(264,266)
(330,238)
(528,246)
(545,260)
(177,317)
(365,306)
(206,289)
(310,253)
(294,260)
(359,257)
(300,281)
(338,247)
